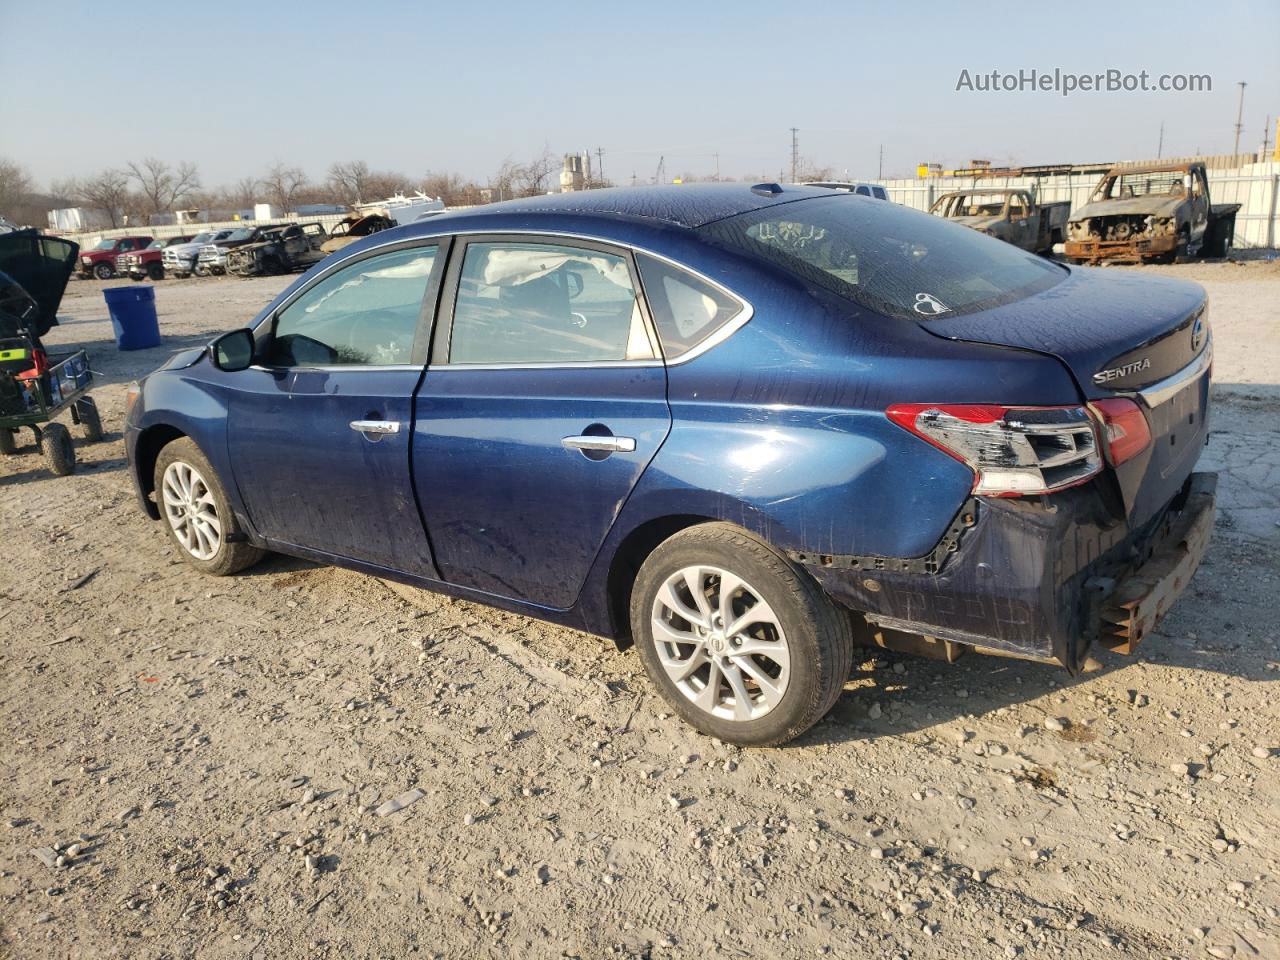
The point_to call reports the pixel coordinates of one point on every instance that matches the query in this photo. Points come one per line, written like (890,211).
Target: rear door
(319,428)
(544,402)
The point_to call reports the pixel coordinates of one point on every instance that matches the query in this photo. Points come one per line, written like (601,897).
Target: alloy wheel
(191,511)
(720,643)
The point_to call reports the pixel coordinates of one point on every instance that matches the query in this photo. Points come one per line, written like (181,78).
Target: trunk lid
(41,266)
(1119,335)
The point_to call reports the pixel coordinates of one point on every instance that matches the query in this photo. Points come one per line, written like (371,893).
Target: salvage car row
(248,251)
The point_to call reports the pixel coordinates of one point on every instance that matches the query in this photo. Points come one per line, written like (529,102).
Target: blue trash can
(133,316)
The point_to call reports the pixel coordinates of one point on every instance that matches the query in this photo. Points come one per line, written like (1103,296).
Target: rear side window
(546,303)
(686,309)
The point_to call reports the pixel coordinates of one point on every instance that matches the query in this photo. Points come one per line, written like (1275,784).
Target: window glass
(686,310)
(545,303)
(365,313)
(895,261)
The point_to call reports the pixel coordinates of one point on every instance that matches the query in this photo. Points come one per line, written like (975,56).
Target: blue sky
(237,86)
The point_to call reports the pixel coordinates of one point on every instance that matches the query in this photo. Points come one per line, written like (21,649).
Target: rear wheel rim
(190,508)
(720,643)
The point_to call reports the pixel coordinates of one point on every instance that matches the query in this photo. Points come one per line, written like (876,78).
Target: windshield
(1163,183)
(238,235)
(202,238)
(973,205)
(108,244)
(893,260)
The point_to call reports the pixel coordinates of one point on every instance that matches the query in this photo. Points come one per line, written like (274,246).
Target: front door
(319,428)
(544,403)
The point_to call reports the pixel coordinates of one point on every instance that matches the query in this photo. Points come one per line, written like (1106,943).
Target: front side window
(895,261)
(686,310)
(546,303)
(363,314)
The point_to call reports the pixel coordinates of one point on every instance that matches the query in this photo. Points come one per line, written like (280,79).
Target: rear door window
(546,303)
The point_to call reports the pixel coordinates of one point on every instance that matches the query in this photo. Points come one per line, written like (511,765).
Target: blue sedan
(740,428)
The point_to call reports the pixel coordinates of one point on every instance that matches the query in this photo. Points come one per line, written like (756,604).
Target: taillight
(1125,428)
(1013,451)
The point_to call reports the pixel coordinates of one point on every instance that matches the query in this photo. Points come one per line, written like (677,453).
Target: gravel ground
(206,768)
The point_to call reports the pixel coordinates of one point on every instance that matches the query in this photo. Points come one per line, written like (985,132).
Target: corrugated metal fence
(1255,187)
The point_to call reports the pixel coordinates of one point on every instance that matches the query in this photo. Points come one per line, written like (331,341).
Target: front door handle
(605,444)
(380,427)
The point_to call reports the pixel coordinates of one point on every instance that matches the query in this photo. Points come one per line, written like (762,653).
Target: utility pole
(795,152)
(1266,139)
(880,173)
(717,156)
(1239,117)
(1160,144)
(600,165)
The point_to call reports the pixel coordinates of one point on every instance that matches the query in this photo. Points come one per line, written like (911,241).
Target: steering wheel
(361,320)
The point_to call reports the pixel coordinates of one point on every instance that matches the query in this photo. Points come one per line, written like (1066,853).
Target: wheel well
(628,559)
(150,443)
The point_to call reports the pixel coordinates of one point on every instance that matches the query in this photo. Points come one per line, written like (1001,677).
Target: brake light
(1013,451)
(1125,428)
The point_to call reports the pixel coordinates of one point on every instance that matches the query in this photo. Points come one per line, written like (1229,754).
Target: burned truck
(1151,214)
(283,249)
(1013,216)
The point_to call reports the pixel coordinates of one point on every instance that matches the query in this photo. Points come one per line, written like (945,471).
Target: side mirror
(233,351)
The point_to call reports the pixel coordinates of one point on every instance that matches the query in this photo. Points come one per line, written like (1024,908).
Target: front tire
(8,441)
(742,643)
(155,271)
(59,453)
(104,271)
(195,511)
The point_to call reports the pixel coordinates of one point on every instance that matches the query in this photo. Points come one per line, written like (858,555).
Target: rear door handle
(605,444)
(376,426)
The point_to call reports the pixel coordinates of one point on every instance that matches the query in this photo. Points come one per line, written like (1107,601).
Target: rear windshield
(893,260)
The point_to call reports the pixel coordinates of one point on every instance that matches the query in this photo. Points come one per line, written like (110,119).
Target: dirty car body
(1150,213)
(961,443)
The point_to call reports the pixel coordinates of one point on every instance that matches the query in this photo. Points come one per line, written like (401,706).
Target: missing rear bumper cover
(930,564)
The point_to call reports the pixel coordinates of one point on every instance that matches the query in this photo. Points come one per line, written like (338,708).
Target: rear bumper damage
(1036,578)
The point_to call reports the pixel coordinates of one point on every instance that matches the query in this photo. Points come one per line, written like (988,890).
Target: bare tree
(106,192)
(244,194)
(16,189)
(349,181)
(533,178)
(161,187)
(282,186)
(352,182)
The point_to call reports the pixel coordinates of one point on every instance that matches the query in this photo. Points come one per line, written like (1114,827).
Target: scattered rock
(400,802)
(1056,724)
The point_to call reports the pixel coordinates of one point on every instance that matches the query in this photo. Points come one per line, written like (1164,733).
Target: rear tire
(194,508)
(760,681)
(90,419)
(59,453)
(8,441)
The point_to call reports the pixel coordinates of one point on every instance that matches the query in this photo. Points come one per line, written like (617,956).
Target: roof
(685,205)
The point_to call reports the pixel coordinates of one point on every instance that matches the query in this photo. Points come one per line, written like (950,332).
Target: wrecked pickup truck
(1152,213)
(1009,215)
(283,249)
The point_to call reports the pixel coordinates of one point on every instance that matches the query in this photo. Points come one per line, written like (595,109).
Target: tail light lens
(1125,428)
(1013,451)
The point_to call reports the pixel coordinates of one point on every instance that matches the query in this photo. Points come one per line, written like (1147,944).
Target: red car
(100,261)
(147,264)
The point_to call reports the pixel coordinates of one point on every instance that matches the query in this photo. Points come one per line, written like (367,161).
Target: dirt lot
(215,751)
